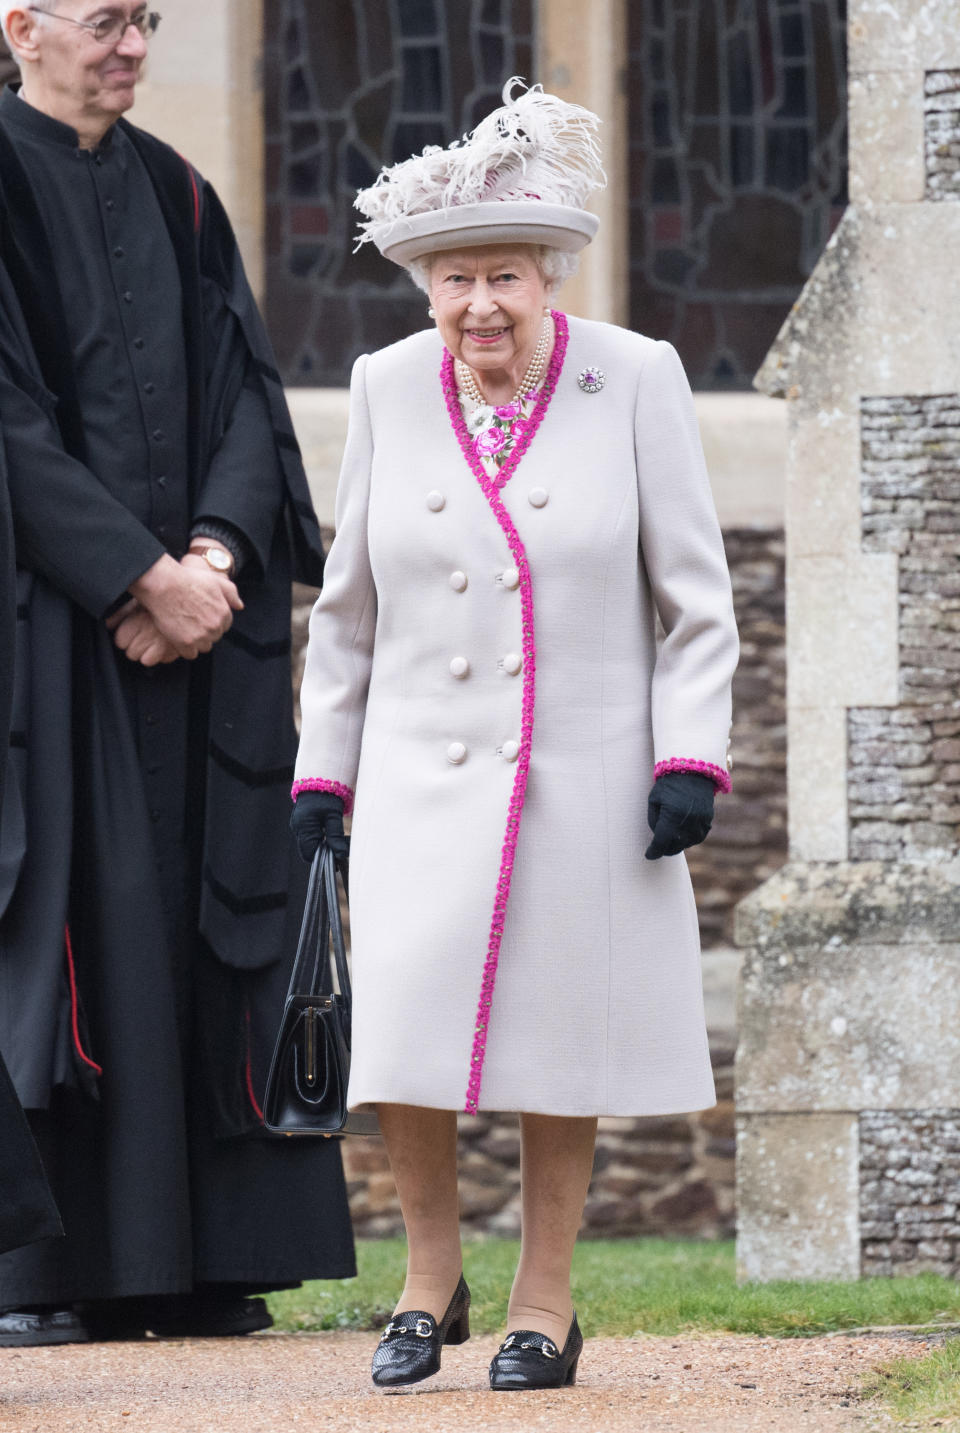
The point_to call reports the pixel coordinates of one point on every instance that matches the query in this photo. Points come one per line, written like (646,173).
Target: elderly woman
(522,496)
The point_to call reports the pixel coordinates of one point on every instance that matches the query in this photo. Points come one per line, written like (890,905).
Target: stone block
(902,35)
(887,136)
(835,996)
(842,625)
(817,783)
(797,1187)
(823,486)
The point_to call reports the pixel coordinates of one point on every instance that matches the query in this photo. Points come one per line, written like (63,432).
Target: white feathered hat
(522,176)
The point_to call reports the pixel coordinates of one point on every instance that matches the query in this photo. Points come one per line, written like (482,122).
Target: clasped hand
(177,609)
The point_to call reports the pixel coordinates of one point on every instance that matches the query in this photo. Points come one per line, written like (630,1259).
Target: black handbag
(307,1086)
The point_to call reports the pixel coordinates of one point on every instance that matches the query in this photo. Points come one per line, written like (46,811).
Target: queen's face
(489,305)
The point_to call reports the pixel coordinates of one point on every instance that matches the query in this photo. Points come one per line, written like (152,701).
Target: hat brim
(469,226)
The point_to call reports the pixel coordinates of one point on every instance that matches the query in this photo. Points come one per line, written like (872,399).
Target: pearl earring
(431,313)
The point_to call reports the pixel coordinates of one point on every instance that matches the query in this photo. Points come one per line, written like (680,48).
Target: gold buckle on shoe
(424,1328)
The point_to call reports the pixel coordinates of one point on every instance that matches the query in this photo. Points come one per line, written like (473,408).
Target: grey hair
(7,5)
(555,265)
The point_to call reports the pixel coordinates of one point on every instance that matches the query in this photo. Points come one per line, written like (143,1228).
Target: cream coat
(598,1006)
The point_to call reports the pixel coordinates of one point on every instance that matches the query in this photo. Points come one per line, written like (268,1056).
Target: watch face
(219,559)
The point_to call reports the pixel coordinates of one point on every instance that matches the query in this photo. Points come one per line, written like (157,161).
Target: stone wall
(904,761)
(941,133)
(910,1192)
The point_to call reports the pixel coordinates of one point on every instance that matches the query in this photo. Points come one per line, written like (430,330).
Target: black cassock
(27,1211)
(149,888)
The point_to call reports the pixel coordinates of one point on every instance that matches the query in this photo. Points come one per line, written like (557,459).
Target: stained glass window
(351,86)
(738,170)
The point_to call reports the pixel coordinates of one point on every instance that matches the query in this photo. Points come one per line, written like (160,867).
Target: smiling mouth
(485,334)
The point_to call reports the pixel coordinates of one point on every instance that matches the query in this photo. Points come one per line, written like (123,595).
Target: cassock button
(111,205)
(458,581)
(118,253)
(539,497)
(436,502)
(162,482)
(158,435)
(128,297)
(510,750)
(456,753)
(511,579)
(459,667)
(150,388)
(138,343)
(513,664)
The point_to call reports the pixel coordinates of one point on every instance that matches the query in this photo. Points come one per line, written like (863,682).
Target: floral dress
(495,432)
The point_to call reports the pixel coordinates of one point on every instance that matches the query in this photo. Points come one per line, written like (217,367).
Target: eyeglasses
(110,30)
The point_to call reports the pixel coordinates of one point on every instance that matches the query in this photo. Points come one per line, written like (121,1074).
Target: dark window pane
(422,81)
(661,120)
(741,156)
(740,73)
(787,159)
(491,56)
(305,177)
(792,38)
(794,104)
(298,96)
(666,182)
(414,136)
(417,17)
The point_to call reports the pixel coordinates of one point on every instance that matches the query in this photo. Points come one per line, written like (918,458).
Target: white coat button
(458,581)
(539,497)
(513,663)
(729,761)
(436,502)
(510,750)
(456,753)
(511,579)
(459,667)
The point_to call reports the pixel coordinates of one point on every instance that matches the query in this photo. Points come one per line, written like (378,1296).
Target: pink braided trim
(720,778)
(336,788)
(515,811)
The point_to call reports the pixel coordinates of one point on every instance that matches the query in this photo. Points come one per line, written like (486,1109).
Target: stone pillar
(203,94)
(582,56)
(848,1075)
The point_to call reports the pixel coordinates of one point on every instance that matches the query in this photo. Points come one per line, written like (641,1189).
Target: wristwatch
(219,559)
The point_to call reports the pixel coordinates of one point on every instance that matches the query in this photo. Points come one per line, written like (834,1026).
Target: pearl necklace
(468,385)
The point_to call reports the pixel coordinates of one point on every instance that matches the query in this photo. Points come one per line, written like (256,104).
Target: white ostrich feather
(535,147)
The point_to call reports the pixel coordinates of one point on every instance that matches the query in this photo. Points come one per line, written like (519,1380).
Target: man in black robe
(27,1211)
(149,888)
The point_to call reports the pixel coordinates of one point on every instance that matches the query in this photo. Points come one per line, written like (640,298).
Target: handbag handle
(322,926)
(335,924)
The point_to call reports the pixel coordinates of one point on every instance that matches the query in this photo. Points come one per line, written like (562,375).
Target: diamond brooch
(591,380)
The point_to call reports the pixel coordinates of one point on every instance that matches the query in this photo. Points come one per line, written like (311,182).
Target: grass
(923,1392)
(624,1287)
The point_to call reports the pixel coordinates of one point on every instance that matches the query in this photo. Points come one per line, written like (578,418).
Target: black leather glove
(318,816)
(680,813)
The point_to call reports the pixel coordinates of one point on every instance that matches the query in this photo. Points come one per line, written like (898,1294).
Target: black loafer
(409,1347)
(527,1359)
(209,1316)
(200,1315)
(20,1328)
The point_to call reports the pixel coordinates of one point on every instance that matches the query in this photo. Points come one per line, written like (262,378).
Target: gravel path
(319,1381)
